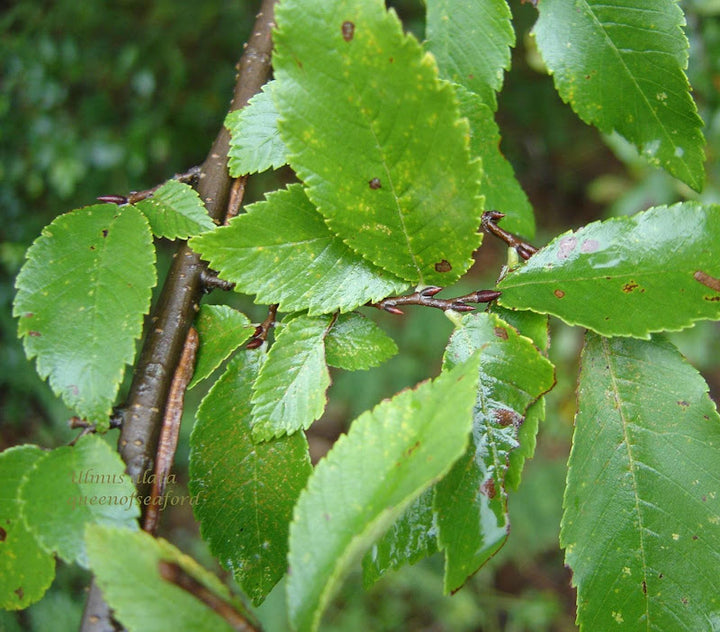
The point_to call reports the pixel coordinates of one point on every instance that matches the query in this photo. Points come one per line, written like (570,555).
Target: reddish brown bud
(462,307)
(431,291)
(486,296)
(254,343)
(526,250)
(393,310)
(113,199)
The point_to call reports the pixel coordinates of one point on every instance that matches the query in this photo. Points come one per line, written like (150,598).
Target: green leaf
(627,276)
(621,67)
(128,566)
(221,330)
(471,501)
(175,211)
(289,393)
(81,298)
(377,137)
(356,343)
(75,486)
(471,42)
(389,457)
(640,529)
(255,143)
(536,327)
(411,538)
(26,569)
(501,189)
(282,251)
(246,491)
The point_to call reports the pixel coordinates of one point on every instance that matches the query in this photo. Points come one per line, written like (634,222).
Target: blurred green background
(100,98)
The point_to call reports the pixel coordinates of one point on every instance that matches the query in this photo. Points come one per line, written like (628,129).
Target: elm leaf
(628,276)
(640,527)
(621,66)
(82,294)
(246,491)
(389,457)
(356,343)
(377,137)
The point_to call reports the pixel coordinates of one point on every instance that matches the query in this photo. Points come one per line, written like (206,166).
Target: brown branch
(263,329)
(190,176)
(178,301)
(427,298)
(489,224)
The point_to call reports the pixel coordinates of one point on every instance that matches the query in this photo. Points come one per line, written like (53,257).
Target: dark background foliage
(99,98)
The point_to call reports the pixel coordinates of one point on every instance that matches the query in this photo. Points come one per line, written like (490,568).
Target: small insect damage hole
(348,31)
(375,184)
(443,266)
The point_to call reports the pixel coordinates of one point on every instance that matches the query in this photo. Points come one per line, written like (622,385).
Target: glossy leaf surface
(74,486)
(640,529)
(81,298)
(356,343)
(246,491)
(130,568)
(471,501)
(471,42)
(255,143)
(627,276)
(389,457)
(26,569)
(620,65)
(221,330)
(289,393)
(282,251)
(175,211)
(376,137)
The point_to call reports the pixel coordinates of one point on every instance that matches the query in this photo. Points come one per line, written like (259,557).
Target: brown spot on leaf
(92,247)
(629,287)
(685,601)
(506,417)
(644,587)
(694,537)
(566,246)
(712,299)
(589,245)
(375,184)
(683,404)
(488,488)
(348,31)
(28,315)
(34,334)
(501,332)
(707,280)
(20,593)
(412,448)
(105,232)
(3,535)
(443,266)
(559,293)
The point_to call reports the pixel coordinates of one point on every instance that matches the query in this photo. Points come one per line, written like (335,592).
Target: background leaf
(643,544)
(390,455)
(221,330)
(356,343)
(471,501)
(26,569)
(72,487)
(471,42)
(627,276)
(81,298)
(175,210)
(289,393)
(282,251)
(376,137)
(501,189)
(621,67)
(246,491)
(255,142)
(126,565)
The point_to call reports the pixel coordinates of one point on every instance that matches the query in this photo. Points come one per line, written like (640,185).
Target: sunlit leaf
(627,276)
(389,457)
(641,528)
(356,343)
(246,491)
(255,143)
(81,298)
(376,137)
(289,393)
(175,211)
(621,66)
(282,251)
